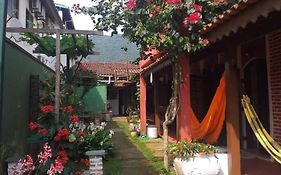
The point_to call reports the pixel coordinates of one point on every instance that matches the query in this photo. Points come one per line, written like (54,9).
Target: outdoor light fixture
(151,77)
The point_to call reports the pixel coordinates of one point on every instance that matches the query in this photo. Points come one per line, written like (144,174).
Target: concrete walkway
(132,160)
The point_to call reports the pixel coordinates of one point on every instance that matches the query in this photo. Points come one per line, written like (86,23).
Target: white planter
(199,165)
(151,131)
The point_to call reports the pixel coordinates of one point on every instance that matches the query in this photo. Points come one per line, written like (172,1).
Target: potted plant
(194,158)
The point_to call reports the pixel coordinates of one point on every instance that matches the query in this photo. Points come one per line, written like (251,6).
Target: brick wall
(274,52)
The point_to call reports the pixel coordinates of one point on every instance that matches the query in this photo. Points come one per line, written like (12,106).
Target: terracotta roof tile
(110,68)
(226,15)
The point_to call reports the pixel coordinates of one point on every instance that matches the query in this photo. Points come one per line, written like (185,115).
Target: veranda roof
(239,16)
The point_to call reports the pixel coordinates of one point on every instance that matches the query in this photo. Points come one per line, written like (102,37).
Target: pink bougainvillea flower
(198,8)
(131,4)
(45,154)
(154,10)
(33,125)
(62,156)
(43,131)
(55,168)
(74,118)
(218,2)
(47,108)
(205,41)
(193,18)
(173,1)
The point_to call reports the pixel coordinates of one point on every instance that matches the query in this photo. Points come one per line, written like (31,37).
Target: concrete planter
(199,165)
(108,117)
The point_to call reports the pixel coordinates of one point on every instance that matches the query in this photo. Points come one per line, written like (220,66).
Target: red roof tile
(111,68)
(226,15)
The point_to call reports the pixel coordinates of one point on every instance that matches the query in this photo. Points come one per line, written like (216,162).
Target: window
(13,8)
(29,19)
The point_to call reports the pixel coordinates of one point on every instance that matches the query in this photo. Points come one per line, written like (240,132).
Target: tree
(173,26)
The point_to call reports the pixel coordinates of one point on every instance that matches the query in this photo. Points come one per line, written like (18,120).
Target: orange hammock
(210,128)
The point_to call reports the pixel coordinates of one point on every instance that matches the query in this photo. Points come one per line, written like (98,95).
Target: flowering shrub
(170,25)
(66,142)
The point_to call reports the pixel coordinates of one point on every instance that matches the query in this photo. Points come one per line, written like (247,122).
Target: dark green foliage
(73,46)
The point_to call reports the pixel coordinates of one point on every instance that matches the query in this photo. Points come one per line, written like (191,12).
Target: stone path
(132,160)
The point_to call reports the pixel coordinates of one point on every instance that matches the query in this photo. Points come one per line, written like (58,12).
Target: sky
(81,22)
(109,47)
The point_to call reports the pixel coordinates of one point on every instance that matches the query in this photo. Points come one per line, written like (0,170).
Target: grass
(112,166)
(148,154)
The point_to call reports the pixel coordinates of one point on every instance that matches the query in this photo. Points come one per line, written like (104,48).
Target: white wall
(21,22)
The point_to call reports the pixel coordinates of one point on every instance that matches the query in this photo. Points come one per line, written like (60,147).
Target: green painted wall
(95,99)
(19,65)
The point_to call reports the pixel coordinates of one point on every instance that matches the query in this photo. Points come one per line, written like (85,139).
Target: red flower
(63,133)
(81,133)
(198,8)
(154,10)
(33,125)
(86,162)
(62,156)
(74,118)
(193,18)
(173,1)
(57,138)
(68,109)
(47,108)
(43,131)
(131,4)
(205,41)
(218,2)
(148,1)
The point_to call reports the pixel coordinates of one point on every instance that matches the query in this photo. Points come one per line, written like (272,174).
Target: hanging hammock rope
(211,126)
(271,146)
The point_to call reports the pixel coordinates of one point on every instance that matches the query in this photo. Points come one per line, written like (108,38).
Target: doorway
(255,85)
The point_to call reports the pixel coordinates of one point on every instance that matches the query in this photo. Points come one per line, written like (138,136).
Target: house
(22,71)
(38,14)
(245,44)
(115,89)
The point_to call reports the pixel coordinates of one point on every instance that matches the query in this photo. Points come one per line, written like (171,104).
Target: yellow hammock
(271,146)
(210,128)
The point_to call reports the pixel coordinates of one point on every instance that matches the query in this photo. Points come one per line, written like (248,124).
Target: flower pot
(198,165)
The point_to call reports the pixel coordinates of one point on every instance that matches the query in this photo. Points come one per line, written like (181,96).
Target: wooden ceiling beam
(52,31)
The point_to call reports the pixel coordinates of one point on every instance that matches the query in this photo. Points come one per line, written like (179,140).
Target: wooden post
(143,104)
(232,119)
(184,122)
(57,70)
(156,104)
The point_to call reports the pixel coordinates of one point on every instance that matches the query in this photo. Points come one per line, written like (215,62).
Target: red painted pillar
(184,117)
(143,104)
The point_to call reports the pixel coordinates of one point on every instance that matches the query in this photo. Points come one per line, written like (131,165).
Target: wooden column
(183,117)
(143,104)
(57,69)
(232,119)
(156,104)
